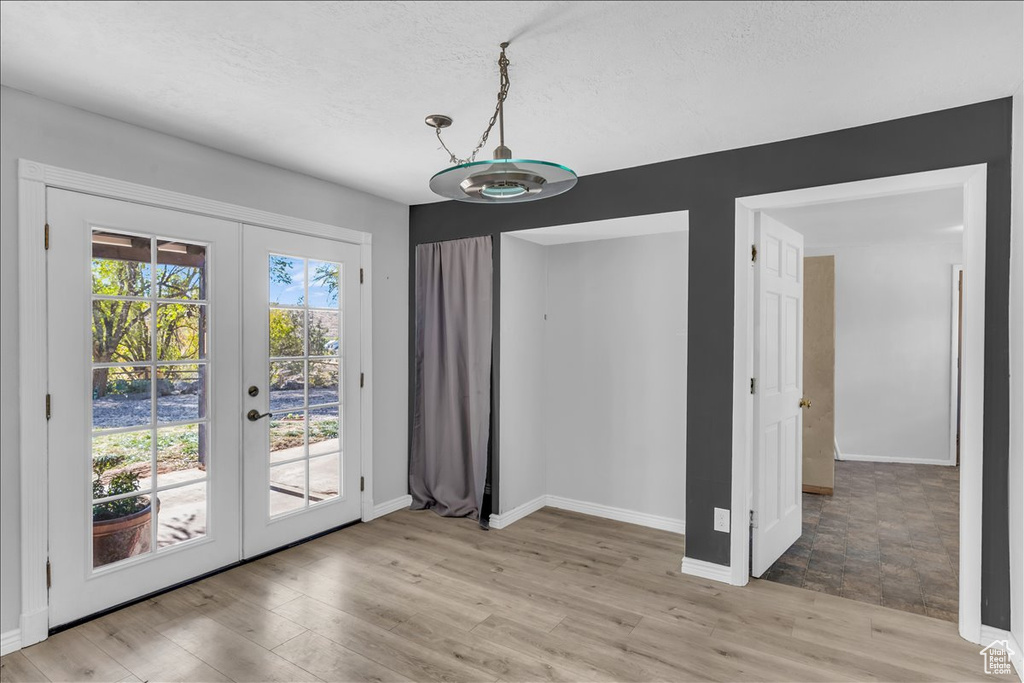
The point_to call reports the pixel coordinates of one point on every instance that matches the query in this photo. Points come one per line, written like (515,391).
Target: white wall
(523,452)
(50,133)
(593,399)
(616,373)
(893,317)
(1016,468)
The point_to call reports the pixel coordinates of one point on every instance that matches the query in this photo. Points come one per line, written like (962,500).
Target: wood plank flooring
(557,596)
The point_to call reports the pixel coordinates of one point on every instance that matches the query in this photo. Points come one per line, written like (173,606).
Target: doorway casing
(33,180)
(956,318)
(973,181)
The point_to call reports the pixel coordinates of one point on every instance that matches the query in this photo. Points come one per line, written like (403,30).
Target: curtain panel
(452,391)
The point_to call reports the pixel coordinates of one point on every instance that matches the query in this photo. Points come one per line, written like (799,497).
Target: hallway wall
(893,325)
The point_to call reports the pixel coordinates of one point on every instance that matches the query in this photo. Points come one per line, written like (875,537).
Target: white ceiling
(918,217)
(338,90)
(613,228)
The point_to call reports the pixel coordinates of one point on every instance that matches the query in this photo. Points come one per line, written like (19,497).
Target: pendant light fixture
(503,179)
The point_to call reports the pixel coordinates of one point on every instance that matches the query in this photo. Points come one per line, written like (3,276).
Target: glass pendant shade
(503,181)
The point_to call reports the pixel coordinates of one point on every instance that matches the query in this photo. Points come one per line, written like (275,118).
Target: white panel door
(144,383)
(778,369)
(301,371)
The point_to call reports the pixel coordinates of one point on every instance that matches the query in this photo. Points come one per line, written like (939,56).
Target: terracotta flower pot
(118,539)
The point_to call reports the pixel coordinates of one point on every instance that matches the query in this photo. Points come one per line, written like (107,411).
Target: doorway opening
(880,522)
(901,525)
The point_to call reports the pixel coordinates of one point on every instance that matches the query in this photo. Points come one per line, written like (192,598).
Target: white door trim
(33,180)
(954,371)
(973,181)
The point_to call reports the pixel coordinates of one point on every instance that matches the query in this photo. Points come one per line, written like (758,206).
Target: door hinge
(362,483)
(360,276)
(362,380)
(47,406)
(753,253)
(753,385)
(753,519)
(47,572)
(46,236)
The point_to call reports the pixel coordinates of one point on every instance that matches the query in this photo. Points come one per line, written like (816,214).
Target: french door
(156,474)
(143,379)
(302,378)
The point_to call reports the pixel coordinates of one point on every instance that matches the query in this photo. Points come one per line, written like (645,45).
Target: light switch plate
(721,520)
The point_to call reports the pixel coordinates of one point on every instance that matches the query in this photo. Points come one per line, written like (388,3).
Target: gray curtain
(452,390)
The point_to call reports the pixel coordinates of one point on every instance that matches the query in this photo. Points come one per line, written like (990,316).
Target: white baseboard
(400,503)
(10,641)
(707,570)
(990,635)
(596,509)
(515,514)
(894,459)
(34,626)
(618,514)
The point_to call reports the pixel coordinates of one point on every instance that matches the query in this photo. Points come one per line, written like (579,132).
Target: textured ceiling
(339,90)
(917,217)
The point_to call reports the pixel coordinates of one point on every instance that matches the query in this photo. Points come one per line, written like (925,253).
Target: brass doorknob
(805,403)
(254,415)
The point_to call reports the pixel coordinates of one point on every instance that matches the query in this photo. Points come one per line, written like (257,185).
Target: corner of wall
(1016,457)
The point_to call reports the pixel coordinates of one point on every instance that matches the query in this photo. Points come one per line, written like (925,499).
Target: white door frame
(33,180)
(973,181)
(954,357)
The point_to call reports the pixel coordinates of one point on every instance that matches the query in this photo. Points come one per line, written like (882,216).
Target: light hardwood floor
(557,596)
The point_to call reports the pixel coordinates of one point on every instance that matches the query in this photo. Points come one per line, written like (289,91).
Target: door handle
(254,415)
(804,403)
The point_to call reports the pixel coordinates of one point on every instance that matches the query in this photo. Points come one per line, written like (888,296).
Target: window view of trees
(123,328)
(127,286)
(305,334)
(149,321)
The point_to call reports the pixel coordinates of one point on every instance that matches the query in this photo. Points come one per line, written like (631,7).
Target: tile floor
(888,536)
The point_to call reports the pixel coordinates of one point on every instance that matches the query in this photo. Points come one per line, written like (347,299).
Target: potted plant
(120,528)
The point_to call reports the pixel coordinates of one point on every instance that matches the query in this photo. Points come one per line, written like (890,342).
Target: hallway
(888,536)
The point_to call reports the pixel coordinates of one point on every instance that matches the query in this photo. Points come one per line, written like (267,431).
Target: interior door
(778,397)
(302,375)
(144,402)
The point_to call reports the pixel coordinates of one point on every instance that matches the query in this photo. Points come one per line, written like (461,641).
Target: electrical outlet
(721,520)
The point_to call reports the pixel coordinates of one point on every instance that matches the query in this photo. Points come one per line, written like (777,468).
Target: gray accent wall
(708,186)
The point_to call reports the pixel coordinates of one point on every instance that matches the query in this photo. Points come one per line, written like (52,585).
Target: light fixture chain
(502,94)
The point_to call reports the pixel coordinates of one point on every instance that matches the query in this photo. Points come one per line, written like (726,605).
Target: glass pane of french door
(301,351)
(143,435)
(304,338)
(149,388)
